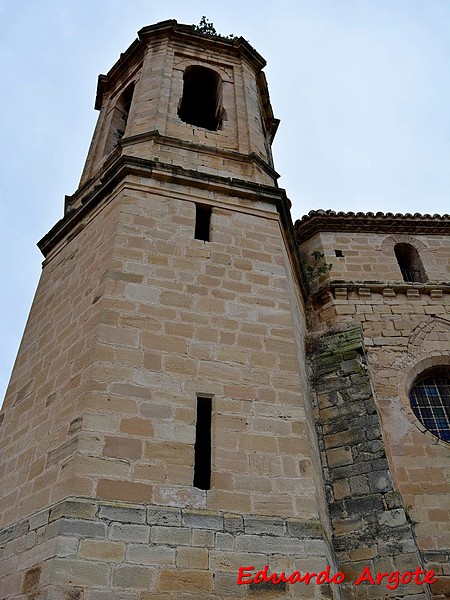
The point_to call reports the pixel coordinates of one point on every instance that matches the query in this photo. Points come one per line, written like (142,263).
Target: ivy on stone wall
(317,267)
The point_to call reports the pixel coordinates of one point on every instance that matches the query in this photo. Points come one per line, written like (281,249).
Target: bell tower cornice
(153,34)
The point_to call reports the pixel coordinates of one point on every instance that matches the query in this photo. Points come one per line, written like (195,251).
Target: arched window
(430,401)
(201,104)
(119,119)
(409,262)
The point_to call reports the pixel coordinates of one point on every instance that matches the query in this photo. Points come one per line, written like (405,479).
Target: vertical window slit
(202,448)
(202,222)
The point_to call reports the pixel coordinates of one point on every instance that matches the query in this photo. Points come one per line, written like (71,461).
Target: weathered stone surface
(199,582)
(105,550)
(366,513)
(192,558)
(224,541)
(62,571)
(76,527)
(233,523)
(75,509)
(270,544)
(129,514)
(163,515)
(393,518)
(203,538)
(133,577)
(110,595)
(202,520)
(261,525)
(66,546)
(31,579)
(225,585)
(172,536)
(129,533)
(6,534)
(268,588)
(38,520)
(300,529)
(142,554)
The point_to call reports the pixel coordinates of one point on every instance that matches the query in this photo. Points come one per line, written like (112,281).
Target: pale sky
(362,89)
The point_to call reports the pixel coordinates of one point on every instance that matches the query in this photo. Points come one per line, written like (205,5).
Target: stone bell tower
(156,433)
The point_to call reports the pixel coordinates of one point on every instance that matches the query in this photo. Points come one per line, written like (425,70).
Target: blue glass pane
(430,402)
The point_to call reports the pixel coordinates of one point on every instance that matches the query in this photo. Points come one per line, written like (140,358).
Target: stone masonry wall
(40,427)
(81,549)
(173,317)
(369,523)
(181,318)
(369,256)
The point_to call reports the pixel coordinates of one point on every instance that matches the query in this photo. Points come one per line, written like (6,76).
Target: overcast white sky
(362,89)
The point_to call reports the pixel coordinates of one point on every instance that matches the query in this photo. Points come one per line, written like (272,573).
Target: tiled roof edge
(329,220)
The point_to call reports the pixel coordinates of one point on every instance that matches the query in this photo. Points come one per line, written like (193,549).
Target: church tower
(157,433)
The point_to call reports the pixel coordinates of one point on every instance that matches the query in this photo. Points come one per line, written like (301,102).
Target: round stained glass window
(430,401)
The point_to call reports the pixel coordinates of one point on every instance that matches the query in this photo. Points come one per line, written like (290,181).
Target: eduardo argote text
(247,575)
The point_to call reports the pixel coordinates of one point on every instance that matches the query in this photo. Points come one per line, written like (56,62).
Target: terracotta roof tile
(330,220)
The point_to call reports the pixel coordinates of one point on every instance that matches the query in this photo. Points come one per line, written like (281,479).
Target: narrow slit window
(202,448)
(202,222)
(201,104)
(410,264)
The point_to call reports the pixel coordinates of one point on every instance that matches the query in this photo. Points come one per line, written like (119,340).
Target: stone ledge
(363,290)
(124,165)
(99,512)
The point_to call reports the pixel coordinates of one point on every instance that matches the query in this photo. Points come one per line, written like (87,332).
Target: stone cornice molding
(185,145)
(238,45)
(184,33)
(92,195)
(339,289)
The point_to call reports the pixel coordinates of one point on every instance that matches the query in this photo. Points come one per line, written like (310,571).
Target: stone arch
(420,333)
(224,71)
(388,244)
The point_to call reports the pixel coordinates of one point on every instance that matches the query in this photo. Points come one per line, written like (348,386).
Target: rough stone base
(86,550)
(370,525)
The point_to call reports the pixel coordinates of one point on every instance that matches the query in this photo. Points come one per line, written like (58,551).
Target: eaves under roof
(317,221)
